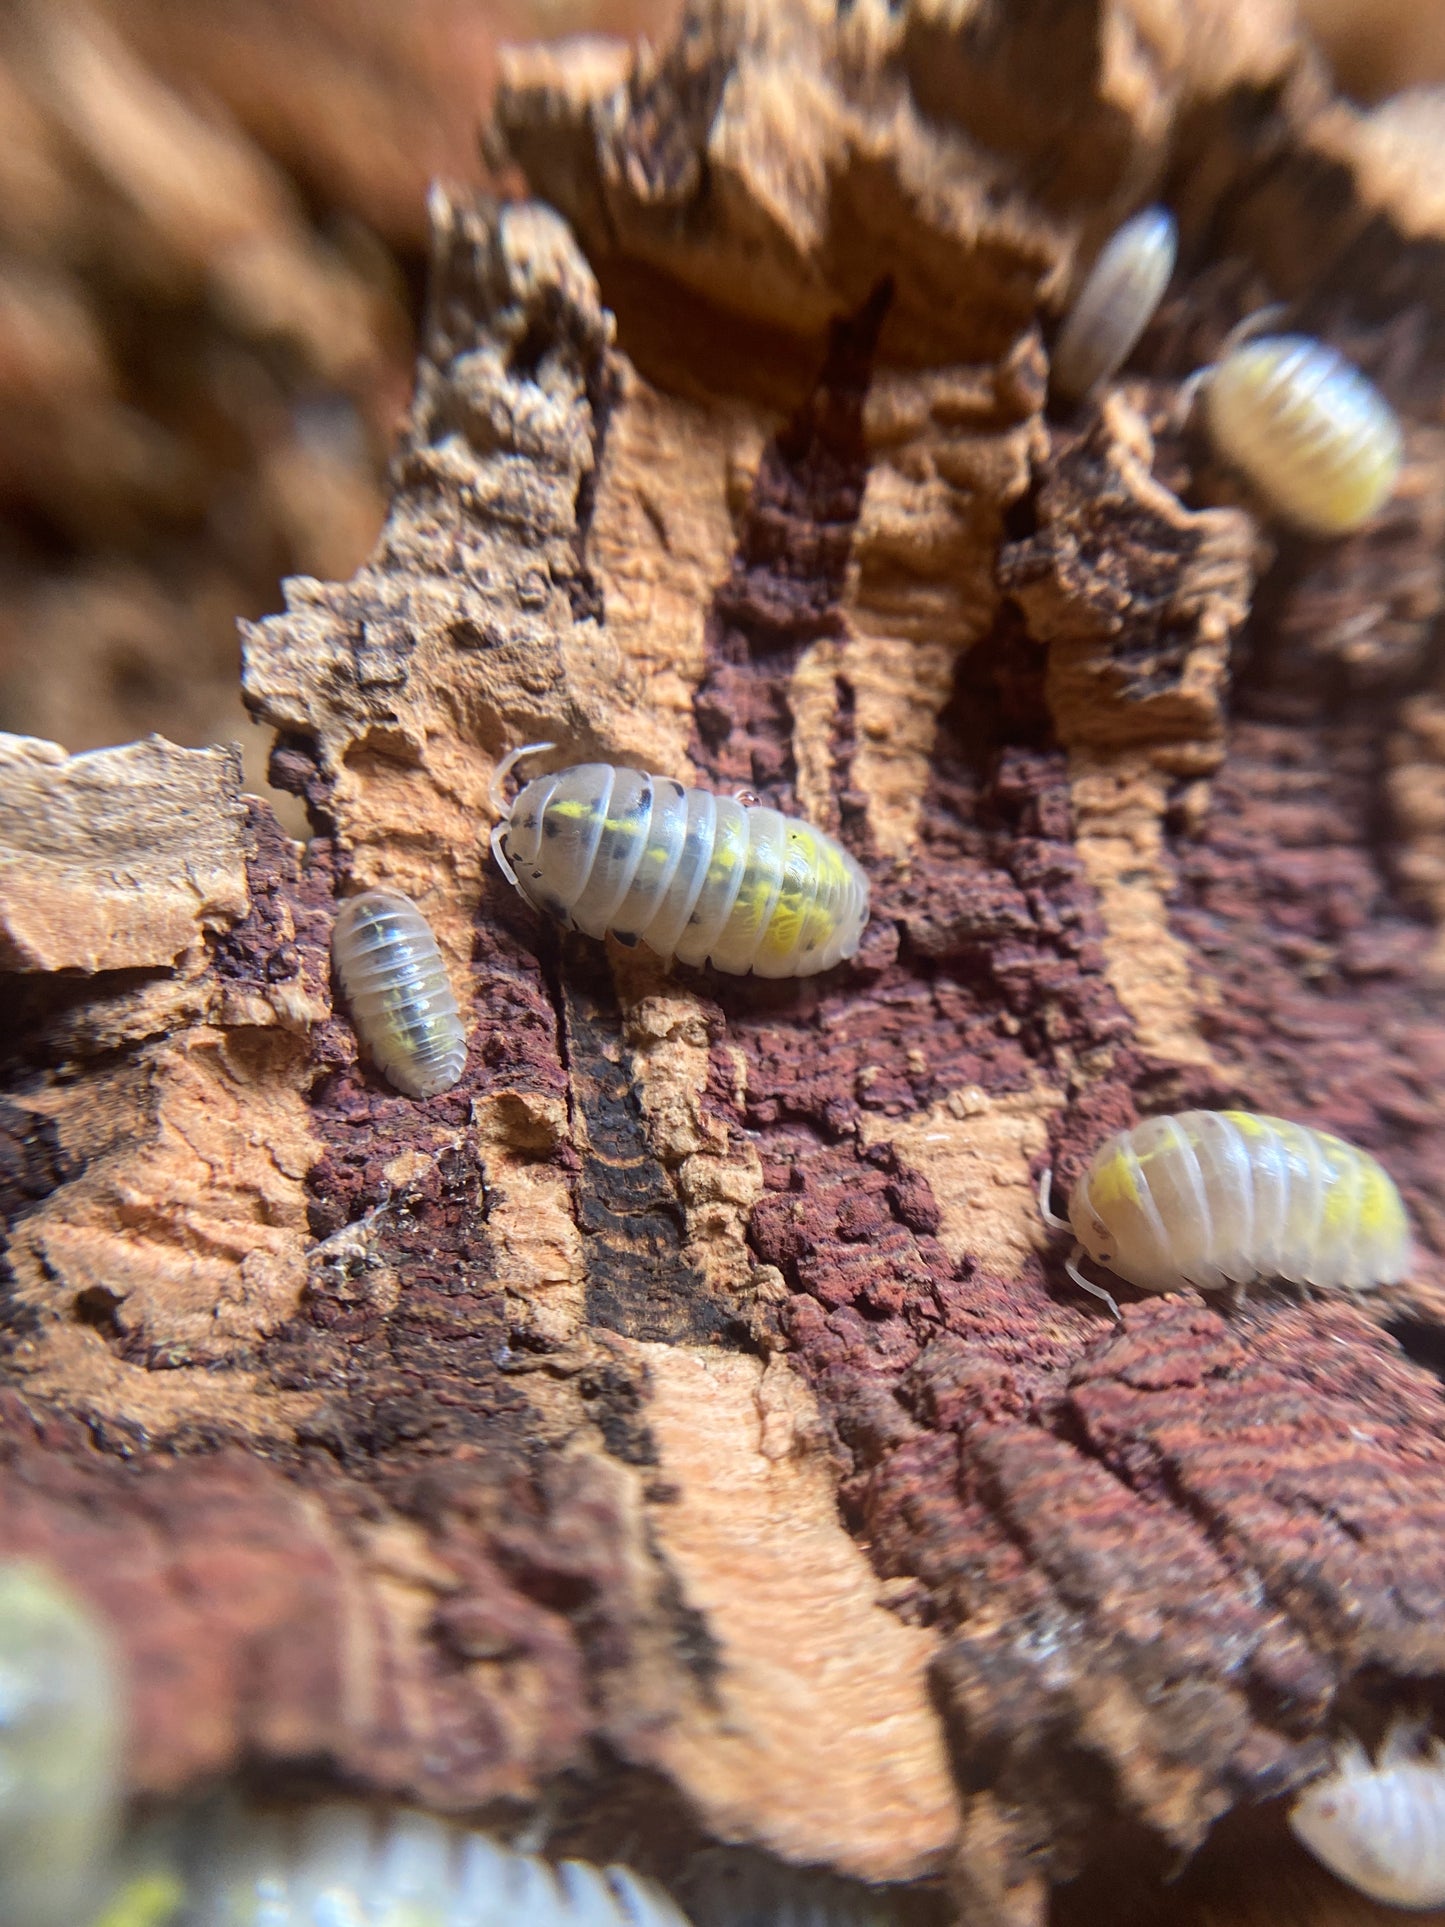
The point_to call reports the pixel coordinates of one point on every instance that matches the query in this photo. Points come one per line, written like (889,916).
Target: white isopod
(343,1864)
(1381,1826)
(703,878)
(60,1745)
(391,971)
(1320,443)
(1214,1198)
(1116,303)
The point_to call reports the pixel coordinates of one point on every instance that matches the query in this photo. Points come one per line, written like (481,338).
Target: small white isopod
(703,878)
(1216,1198)
(1381,1826)
(1318,441)
(342,1861)
(391,971)
(1116,303)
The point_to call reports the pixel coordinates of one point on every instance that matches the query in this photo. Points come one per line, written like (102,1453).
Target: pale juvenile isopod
(1381,1826)
(60,1740)
(1116,303)
(1216,1198)
(1319,443)
(343,1862)
(391,972)
(703,878)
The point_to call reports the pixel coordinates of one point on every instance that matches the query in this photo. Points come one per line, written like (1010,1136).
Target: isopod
(60,1741)
(1116,303)
(391,971)
(1381,1826)
(703,878)
(1315,438)
(341,1861)
(1214,1198)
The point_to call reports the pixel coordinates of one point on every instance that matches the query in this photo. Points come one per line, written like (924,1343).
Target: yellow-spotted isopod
(391,971)
(1381,1826)
(1116,303)
(1217,1198)
(703,878)
(1319,443)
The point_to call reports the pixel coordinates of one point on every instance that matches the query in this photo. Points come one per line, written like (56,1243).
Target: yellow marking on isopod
(572,809)
(148,1900)
(1114,1183)
(1373,1209)
(791,930)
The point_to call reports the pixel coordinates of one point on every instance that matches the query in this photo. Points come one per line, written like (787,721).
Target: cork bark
(685,1422)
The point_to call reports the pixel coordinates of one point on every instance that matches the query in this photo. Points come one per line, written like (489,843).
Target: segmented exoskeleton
(703,878)
(1381,1826)
(1116,302)
(1319,442)
(1214,1198)
(342,1862)
(391,971)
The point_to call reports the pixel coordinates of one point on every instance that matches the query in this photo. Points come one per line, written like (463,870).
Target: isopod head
(1319,443)
(1116,302)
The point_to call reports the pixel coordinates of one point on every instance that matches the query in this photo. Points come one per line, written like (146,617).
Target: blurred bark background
(212,246)
(685,1421)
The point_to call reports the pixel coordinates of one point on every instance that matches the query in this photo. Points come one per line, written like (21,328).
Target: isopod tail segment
(1071,1263)
(497,797)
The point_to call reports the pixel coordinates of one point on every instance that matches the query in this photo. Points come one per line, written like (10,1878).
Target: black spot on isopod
(536,876)
(551,826)
(529,821)
(677,788)
(553,907)
(644,800)
(694,918)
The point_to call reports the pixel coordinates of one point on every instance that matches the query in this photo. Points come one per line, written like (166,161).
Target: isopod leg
(1258,323)
(1261,322)
(1050,1218)
(499,831)
(496,792)
(1097,1291)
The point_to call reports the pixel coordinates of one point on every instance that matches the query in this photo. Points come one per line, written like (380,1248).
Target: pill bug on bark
(392,975)
(343,1862)
(702,878)
(1217,1198)
(1381,1826)
(1116,303)
(60,1737)
(1319,442)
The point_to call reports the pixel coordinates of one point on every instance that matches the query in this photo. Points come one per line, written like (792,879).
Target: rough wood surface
(686,1417)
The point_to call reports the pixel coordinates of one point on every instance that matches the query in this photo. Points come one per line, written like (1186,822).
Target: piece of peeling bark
(687,1412)
(122,859)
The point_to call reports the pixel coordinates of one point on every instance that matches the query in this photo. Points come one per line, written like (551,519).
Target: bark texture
(687,1417)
